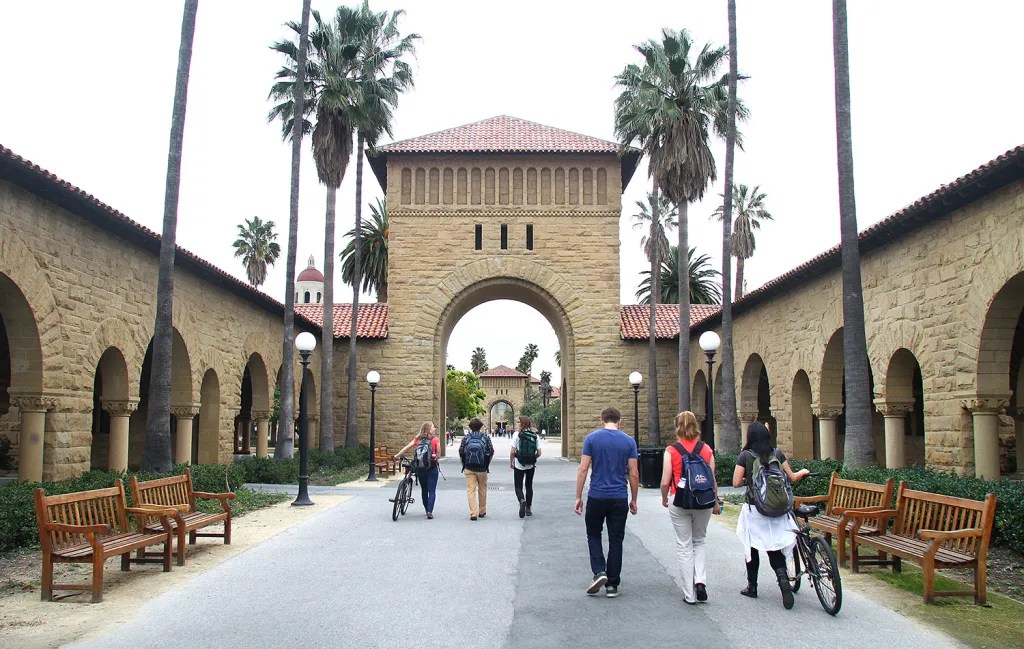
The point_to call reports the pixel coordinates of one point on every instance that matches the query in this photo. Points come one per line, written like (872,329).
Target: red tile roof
(502,134)
(634,319)
(372,321)
(502,371)
(555,392)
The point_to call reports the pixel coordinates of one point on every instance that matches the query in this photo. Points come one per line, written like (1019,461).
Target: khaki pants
(476,484)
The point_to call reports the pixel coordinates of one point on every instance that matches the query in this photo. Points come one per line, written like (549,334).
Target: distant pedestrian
(522,457)
(428,447)
(687,461)
(613,457)
(476,452)
(774,535)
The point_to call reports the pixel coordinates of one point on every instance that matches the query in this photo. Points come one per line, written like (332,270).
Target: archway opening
(904,408)
(501,417)
(110,384)
(698,401)
(209,420)
(242,428)
(804,446)
(181,394)
(21,366)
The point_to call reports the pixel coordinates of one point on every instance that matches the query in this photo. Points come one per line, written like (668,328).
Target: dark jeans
(776,559)
(428,488)
(614,511)
(518,480)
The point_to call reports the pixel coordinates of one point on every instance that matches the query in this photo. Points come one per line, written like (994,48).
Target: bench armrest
(152,510)
(940,535)
(65,528)
(864,514)
(228,495)
(800,500)
(839,511)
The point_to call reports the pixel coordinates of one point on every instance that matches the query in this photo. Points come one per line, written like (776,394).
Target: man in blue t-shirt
(613,456)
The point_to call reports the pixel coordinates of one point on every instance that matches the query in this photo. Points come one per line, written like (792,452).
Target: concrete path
(352,577)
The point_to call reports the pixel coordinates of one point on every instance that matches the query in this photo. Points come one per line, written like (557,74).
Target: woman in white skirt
(776,536)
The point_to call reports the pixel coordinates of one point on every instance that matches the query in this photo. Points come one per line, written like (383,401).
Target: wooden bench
(844,496)
(934,531)
(176,494)
(91,527)
(384,462)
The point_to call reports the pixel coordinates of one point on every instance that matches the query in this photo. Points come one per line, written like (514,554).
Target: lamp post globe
(635,379)
(373,378)
(709,342)
(305,342)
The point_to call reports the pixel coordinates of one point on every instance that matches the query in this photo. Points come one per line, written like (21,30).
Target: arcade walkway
(350,577)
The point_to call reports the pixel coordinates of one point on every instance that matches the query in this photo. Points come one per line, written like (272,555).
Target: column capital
(260,415)
(120,407)
(987,404)
(33,402)
(313,417)
(717,418)
(185,410)
(700,417)
(826,411)
(894,407)
(748,416)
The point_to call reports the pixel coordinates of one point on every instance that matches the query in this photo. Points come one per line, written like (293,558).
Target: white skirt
(763,533)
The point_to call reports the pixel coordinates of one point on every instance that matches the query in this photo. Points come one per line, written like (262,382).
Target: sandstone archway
(207,447)
(181,396)
(802,420)
(903,410)
(698,404)
(110,398)
(504,423)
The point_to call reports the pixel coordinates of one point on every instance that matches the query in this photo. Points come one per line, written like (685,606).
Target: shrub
(268,470)
(6,460)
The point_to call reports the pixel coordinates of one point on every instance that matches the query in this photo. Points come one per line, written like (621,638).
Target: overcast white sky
(935,88)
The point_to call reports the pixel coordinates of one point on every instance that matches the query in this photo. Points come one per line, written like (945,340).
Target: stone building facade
(503,385)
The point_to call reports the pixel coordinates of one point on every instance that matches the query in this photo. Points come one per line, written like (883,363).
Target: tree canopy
(463,396)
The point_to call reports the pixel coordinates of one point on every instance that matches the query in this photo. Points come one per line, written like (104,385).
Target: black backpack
(474,454)
(526,454)
(422,458)
(699,492)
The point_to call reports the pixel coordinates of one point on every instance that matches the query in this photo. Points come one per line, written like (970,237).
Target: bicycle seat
(806,511)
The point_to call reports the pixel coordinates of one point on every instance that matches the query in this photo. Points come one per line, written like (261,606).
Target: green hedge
(268,470)
(1009,522)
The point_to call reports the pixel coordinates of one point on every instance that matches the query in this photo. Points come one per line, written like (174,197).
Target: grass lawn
(331,478)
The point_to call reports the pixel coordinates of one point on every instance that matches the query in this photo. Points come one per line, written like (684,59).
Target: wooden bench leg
(126,561)
(227,531)
(192,537)
(928,568)
(841,542)
(181,547)
(97,578)
(980,576)
(46,593)
(167,553)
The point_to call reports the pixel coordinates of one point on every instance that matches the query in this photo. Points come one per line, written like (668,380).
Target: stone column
(985,411)
(262,418)
(895,412)
(183,438)
(717,425)
(747,417)
(120,413)
(314,431)
(828,437)
(32,410)
(1018,421)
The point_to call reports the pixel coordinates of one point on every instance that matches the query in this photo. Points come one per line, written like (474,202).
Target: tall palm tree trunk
(156,454)
(285,445)
(352,420)
(859,450)
(327,339)
(730,440)
(739,277)
(653,414)
(682,260)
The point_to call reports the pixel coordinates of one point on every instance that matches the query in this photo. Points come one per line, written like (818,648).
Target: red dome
(310,275)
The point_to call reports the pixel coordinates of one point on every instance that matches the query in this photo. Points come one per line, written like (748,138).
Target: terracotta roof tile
(502,371)
(372,322)
(634,319)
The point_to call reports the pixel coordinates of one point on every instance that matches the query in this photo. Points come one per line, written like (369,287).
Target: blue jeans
(428,488)
(614,511)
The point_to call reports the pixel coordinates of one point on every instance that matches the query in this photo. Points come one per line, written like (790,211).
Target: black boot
(785,587)
(750,590)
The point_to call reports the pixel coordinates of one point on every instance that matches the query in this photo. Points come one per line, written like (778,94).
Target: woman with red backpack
(428,447)
(773,532)
(688,474)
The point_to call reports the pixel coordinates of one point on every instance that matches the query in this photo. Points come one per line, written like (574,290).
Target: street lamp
(305,342)
(635,379)
(373,378)
(709,342)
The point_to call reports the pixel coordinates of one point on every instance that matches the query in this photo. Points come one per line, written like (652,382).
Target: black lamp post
(635,379)
(373,378)
(709,342)
(305,342)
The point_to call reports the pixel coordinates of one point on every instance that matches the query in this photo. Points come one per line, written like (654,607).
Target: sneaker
(600,579)
(529,512)
(702,592)
(472,518)
(522,509)
(611,591)
(430,515)
(482,514)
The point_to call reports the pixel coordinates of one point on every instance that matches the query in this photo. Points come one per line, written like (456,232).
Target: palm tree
(156,454)
(530,354)
(294,126)
(479,361)
(558,357)
(703,288)
(748,206)
(374,254)
(668,107)
(859,450)
(380,77)
(257,246)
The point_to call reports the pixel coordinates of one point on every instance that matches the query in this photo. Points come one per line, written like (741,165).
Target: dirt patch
(26,622)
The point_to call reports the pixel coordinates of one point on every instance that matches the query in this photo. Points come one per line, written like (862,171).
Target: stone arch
(749,383)
(516,279)
(490,409)
(260,378)
(903,409)
(802,419)
(113,333)
(312,404)
(830,389)
(182,394)
(996,338)
(207,448)
(111,390)
(887,341)
(699,394)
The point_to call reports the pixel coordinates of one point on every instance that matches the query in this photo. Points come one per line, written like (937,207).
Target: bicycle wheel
(408,496)
(797,577)
(826,577)
(400,496)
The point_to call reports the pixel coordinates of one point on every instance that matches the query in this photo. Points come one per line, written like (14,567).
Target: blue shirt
(609,451)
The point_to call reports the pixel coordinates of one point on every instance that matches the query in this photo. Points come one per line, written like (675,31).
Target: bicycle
(820,562)
(403,496)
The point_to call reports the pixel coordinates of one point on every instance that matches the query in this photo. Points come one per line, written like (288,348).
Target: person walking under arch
(426,442)
(774,535)
(610,456)
(522,457)
(476,452)
(686,462)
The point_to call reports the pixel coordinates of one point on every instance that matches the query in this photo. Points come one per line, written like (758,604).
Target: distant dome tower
(309,285)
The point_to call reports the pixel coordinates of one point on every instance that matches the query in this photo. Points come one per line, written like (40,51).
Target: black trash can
(650,466)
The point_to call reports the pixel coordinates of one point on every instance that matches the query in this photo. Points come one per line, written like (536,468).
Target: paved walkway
(352,577)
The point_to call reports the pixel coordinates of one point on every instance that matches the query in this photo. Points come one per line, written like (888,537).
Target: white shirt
(516,462)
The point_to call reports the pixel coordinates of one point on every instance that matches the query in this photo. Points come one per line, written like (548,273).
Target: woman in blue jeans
(427,479)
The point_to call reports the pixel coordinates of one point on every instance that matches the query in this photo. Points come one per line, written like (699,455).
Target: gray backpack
(769,487)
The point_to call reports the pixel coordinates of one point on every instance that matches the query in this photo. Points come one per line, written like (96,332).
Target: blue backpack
(698,492)
(474,455)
